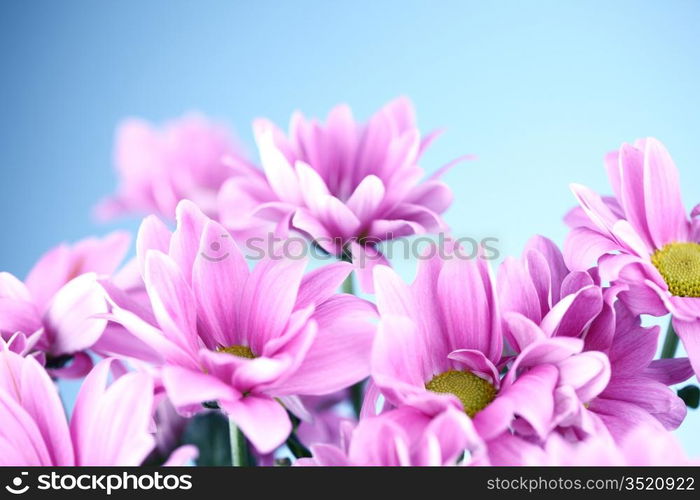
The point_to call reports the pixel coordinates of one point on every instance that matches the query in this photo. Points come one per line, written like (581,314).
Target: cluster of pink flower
(545,362)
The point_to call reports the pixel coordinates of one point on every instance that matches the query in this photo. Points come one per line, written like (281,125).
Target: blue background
(539,92)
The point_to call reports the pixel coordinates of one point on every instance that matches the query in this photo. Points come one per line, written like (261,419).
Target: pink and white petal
(518,292)
(630,238)
(669,371)
(424,219)
(689,333)
(595,208)
(522,331)
(588,373)
(338,218)
(218,278)
(71,317)
(584,246)
(117,341)
(119,432)
(278,170)
(531,397)
(39,398)
(262,374)
(320,284)
(188,389)
(87,403)
(166,348)
(367,198)
(268,300)
(392,292)
(463,292)
(21,443)
(575,281)
(18,316)
(324,455)
(296,406)
(299,332)
(632,198)
(172,300)
(574,313)
(101,255)
(263,421)
(313,187)
(644,299)
(633,345)
(365,258)
(653,397)
(395,360)
(551,254)
(662,193)
(340,353)
(544,352)
(12,288)
(476,362)
(153,235)
(49,274)
(454,433)
(184,244)
(303,220)
(620,417)
(385,229)
(434,195)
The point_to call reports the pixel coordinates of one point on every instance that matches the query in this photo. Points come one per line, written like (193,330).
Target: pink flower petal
(664,208)
(263,421)
(218,278)
(70,318)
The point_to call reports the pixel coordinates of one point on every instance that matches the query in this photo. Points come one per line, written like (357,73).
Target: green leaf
(691,395)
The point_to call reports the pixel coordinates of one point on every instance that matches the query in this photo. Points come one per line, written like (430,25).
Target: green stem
(357,390)
(357,397)
(348,285)
(670,343)
(297,447)
(239,446)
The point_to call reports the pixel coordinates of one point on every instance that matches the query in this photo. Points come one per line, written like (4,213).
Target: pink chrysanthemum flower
(642,238)
(345,185)
(400,437)
(644,445)
(249,340)
(440,344)
(187,158)
(566,303)
(110,425)
(52,313)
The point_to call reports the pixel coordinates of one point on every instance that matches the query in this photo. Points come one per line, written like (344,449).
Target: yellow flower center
(679,264)
(474,392)
(238,350)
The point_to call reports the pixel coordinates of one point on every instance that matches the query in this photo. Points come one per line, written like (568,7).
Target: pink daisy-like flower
(52,313)
(643,445)
(345,185)
(110,425)
(400,437)
(187,158)
(440,344)
(566,303)
(642,238)
(249,340)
